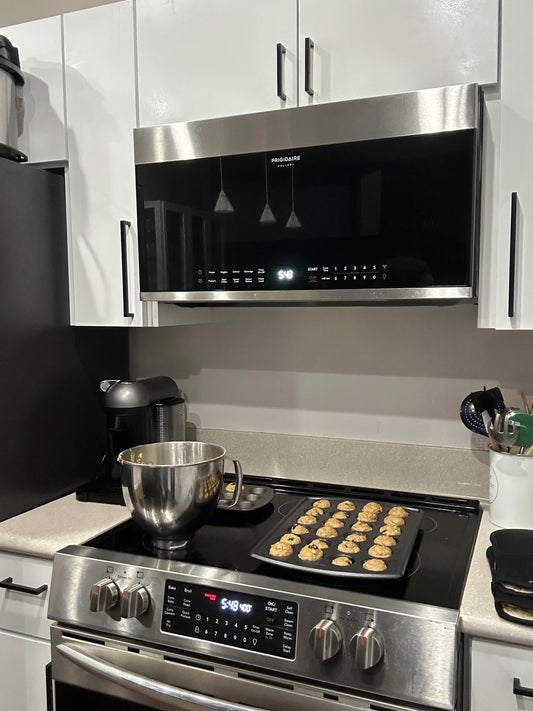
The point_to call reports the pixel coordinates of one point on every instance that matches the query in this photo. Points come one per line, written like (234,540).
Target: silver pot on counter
(11,101)
(172,488)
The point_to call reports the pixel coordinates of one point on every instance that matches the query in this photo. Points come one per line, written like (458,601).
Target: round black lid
(10,61)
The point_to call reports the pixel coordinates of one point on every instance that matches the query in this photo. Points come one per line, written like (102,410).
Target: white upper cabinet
(40,49)
(377,47)
(199,60)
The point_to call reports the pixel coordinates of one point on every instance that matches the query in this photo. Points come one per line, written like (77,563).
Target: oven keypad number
(239,620)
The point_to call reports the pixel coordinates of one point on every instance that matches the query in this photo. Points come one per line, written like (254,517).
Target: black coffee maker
(138,412)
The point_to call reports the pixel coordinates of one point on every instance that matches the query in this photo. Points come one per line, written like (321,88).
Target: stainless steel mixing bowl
(172,488)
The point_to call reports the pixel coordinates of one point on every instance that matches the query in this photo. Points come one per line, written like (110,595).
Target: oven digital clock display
(251,622)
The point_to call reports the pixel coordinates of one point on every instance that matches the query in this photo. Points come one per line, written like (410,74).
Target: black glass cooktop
(435,574)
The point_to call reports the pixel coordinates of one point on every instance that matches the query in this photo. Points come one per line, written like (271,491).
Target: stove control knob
(135,601)
(325,639)
(104,595)
(368,648)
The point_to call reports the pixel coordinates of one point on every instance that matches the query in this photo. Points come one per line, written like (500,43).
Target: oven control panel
(250,622)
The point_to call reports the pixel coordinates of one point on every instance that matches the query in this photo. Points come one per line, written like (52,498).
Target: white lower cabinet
(24,633)
(501,677)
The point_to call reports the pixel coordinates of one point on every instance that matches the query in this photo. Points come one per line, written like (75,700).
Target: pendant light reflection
(293,222)
(267,216)
(222,204)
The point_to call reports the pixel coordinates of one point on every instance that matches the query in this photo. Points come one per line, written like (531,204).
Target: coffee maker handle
(238,487)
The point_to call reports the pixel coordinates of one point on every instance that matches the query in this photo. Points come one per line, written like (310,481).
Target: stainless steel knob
(326,639)
(368,648)
(104,595)
(135,601)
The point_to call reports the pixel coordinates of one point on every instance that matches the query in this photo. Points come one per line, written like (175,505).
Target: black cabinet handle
(309,46)
(280,53)
(8,584)
(520,690)
(512,254)
(124,225)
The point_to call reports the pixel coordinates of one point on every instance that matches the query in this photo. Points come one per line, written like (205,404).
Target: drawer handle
(520,690)
(280,53)
(8,584)
(512,255)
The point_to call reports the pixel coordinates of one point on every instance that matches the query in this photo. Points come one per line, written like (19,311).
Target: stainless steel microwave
(357,202)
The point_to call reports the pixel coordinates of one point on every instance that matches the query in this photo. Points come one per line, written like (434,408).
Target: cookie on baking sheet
(373,506)
(361,526)
(389,530)
(319,543)
(291,538)
(380,551)
(280,550)
(375,565)
(342,560)
(394,520)
(314,511)
(299,529)
(348,547)
(311,553)
(341,515)
(322,503)
(346,506)
(384,541)
(398,511)
(334,522)
(307,520)
(231,487)
(326,532)
(357,537)
(367,516)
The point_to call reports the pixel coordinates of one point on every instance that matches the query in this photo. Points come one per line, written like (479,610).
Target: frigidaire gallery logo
(284,161)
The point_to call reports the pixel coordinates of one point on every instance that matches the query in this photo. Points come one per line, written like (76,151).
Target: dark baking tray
(252,497)
(396,564)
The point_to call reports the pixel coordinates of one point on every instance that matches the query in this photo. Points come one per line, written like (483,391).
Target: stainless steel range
(213,626)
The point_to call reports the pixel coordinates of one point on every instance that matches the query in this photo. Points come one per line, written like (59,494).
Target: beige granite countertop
(44,530)
(478,616)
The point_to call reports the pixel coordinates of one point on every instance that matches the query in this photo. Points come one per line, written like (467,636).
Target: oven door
(90,671)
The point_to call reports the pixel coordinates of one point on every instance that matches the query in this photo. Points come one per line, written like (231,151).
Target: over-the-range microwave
(357,202)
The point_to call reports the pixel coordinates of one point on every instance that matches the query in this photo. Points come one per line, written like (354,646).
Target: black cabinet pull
(8,584)
(520,690)
(124,225)
(512,254)
(280,53)
(309,46)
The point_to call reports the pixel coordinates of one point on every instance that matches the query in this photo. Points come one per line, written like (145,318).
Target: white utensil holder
(511,490)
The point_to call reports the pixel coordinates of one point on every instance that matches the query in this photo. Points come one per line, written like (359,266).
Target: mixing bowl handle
(238,487)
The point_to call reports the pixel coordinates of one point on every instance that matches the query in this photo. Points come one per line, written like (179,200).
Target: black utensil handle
(309,46)
(512,254)
(124,226)
(8,584)
(280,52)
(520,690)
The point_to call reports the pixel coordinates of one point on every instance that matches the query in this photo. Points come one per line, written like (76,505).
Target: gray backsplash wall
(379,387)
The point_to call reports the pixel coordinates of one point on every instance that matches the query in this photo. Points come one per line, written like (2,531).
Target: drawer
(21,611)
(495,666)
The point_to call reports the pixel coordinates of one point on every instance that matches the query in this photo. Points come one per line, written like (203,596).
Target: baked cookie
(348,547)
(389,530)
(291,538)
(326,532)
(398,511)
(299,529)
(280,550)
(373,506)
(322,503)
(361,526)
(375,565)
(319,543)
(367,516)
(384,541)
(334,522)
(346,506)
(342,560)
(307,520)
(380,551)
(315,511)
(231,487)
(394,520)
(310,552)
(357,537)
(340,515)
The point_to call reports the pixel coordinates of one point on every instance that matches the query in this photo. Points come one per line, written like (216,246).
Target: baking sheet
(396,563)
(252,497)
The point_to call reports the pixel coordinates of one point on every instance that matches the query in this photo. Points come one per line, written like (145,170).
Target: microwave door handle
(309,46)
(124,226)
(143,685)
(280,54)
(512,254)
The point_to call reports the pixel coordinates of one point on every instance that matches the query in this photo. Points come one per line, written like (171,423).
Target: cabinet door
(205,59)
(39,44)
(495,667)
(378,47)
(23,672)
(22,611)
(101,115)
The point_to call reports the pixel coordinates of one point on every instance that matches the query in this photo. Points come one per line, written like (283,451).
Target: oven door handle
(143,685)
